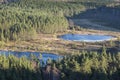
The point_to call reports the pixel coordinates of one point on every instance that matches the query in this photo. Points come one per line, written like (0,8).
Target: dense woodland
(22,18)
(84,66)
(13,68)
(91,66)
(34,17)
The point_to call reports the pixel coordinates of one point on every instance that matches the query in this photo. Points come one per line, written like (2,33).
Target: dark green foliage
(91,66)
(85,66)
(13,68)
(23,17)
(15,23)
(30,16)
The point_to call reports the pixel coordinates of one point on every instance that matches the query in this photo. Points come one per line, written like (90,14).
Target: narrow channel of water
(45,56)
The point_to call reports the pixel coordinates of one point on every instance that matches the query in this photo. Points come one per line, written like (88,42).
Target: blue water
(86,38)
(45,56)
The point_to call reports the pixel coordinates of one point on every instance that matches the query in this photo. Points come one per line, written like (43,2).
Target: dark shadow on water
(106,16)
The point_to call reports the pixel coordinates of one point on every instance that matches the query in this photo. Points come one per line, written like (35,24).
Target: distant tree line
(23,18)
(19,18)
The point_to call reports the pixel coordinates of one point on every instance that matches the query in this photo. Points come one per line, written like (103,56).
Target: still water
(45,56)
(86,38)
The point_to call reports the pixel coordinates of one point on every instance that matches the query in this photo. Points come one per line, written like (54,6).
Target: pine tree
(104,52)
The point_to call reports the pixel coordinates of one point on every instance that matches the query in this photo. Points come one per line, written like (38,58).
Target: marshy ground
(52,43)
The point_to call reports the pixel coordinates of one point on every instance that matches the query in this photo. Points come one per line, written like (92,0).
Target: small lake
(45,56)
(86,38)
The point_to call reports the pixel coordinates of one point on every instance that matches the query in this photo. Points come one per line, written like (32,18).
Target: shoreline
(51,43)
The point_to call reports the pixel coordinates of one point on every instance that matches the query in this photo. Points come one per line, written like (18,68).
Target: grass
(51,44)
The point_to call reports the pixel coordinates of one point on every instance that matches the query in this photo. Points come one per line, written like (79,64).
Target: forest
(17,18)
(83,66)
(37,16)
